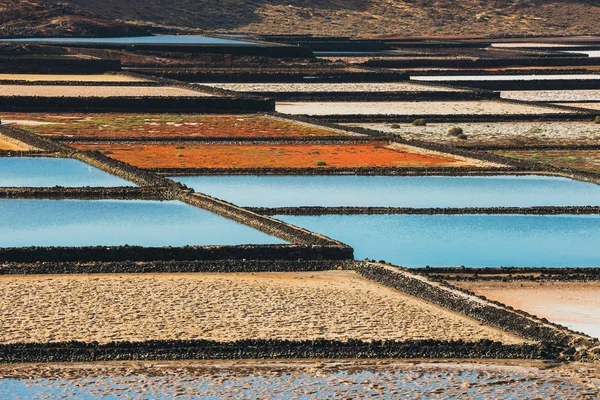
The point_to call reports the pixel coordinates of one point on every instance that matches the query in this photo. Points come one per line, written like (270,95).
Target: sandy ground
(336,305)
(552,95)
(94,91)
(6,145)
(590,106)
(572,304)
(308,379)
(498,133)
(413,108)
(532,77)
(69,78)
(332,87)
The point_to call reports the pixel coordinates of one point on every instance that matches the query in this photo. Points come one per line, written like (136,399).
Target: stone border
(377,96)
(86,193)
(480,63)
(541,84)
(494,314)
(170,266)
(509,274)
(383,171)
(267,349)
(349,210)
(184,253)
(148,104)
(56,65)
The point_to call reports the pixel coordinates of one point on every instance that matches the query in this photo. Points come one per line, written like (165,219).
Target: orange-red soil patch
(108,126)
(348,155)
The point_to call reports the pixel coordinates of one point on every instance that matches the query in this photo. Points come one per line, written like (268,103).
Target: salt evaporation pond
(469,240)
(161,39)
(117,222)
(50,172)
(396,191)
(422,380)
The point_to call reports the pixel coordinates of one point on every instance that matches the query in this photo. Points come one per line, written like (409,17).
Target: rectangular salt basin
(378,87)
(469,240)
(396,191)
(97,91)
(118,222)
(413,108)
(50,172)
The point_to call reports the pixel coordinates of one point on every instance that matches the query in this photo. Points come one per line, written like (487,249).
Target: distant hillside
(33,18)
(356,17)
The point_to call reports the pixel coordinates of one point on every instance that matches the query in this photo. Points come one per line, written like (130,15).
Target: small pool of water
(160,39)
(469,240)
(395,191)
(118,222)
(50,172)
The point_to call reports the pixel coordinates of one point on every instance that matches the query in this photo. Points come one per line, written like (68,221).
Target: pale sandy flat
(94,91)
(532,77)
(572,304)
(590,106)
(413,108)
(497,133)
(552,95)
(332,87)
(69,78)
(10,145)
(335,305)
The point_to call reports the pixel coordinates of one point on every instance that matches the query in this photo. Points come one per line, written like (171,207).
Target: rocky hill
(335,17)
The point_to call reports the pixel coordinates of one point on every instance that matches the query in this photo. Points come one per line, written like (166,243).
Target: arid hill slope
(33,18)
(356,17)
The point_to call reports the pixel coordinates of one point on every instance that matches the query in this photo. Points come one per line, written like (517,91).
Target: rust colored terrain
(234,156)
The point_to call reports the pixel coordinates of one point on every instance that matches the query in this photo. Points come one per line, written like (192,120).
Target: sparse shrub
(455,131)
(597,119)
(395,126)
(462,136)
(107,152)
(321,163)
(179,147)
(179,154)
(419,122)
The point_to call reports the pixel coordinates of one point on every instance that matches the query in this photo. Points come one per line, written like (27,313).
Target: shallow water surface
(396,191)
(469,240)
(117,222)
(161,39)
(49,172)
(405,381)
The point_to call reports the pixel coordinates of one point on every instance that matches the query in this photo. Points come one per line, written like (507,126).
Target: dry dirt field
(498,133)
(116,125)
(552,95)
(70,78)
(413,108)
(96,91)
(336,305)
(332,87)
(266,155)
(572,304)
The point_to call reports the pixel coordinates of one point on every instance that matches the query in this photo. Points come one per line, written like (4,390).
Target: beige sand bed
(333,305)
(413,108)
(94,91)
(6,145)
(572,304)
(333,87)
(70,78)
(553,95)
